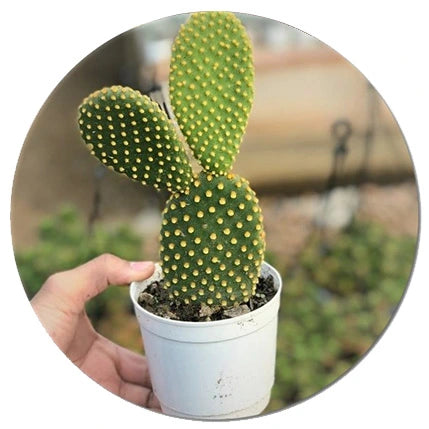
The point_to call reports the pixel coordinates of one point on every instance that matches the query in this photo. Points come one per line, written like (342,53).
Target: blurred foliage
(64,242)
(337,297)
(337,300)
(362,259)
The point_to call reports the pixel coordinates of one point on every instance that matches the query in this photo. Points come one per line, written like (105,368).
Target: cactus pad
(212,241)
(211,86)
(130,134)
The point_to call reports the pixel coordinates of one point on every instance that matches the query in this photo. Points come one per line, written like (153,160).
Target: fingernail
(141,265)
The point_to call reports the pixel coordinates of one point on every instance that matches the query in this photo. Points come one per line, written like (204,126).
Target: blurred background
(324,154)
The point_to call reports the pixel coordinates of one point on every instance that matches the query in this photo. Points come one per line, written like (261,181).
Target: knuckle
(53,280)
(107,259)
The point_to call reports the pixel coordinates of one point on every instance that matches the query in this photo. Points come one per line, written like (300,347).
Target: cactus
(212,237)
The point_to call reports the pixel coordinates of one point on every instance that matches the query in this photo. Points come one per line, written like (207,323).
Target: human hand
(60,306)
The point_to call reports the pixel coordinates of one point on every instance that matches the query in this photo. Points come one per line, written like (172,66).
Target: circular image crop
(264,175)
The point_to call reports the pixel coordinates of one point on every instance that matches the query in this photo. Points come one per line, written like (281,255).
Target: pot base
(251,411)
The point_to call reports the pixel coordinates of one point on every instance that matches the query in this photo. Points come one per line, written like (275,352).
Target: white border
(43,40)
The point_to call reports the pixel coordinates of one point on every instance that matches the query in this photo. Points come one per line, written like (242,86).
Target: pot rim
(274,301)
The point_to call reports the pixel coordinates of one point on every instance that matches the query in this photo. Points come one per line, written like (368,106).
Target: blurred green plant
(64,243)
(336,302)
(359,260)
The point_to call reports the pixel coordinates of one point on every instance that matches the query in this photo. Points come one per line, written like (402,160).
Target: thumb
(73,288)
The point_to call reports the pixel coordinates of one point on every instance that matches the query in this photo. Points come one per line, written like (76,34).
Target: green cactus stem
(130,134)
(211,87)
(212,241)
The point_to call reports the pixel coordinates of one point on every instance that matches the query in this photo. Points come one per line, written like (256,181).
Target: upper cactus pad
(130,134)
(211,86)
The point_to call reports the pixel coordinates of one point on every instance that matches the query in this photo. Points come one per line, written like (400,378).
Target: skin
(60,306)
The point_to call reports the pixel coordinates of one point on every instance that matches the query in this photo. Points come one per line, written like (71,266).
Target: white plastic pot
(211,370)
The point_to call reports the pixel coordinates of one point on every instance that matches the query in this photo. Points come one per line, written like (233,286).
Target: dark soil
(155,299)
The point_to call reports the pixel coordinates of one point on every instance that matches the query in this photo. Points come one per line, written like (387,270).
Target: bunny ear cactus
(212,237)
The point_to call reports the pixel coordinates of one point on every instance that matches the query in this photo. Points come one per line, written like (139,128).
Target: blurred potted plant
(212,237)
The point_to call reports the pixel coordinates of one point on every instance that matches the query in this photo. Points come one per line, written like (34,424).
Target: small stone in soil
(207,311)
(147,299)
(236,311)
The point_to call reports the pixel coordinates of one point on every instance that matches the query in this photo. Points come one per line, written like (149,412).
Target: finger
(132,367)
(79,285)
(139,395)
